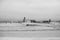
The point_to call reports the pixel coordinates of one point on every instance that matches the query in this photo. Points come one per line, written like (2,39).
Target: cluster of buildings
(25,20)
(34,21)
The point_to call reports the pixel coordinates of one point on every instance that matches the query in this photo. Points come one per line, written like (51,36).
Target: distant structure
(33,21)
(24,19)
(49,20)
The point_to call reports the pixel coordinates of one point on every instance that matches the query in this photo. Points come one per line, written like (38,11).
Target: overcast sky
(36,9)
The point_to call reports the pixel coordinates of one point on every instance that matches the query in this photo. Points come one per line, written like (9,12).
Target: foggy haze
(34,9)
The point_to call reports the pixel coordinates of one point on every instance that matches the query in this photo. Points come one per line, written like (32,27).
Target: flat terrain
(34,38)
(16,26)
(18,30)
(29,33)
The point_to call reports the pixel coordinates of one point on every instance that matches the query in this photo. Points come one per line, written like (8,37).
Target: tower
(24,19)
(49,20)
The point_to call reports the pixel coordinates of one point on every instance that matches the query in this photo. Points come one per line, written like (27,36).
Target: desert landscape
(29,20)
(16,31)
(25,30)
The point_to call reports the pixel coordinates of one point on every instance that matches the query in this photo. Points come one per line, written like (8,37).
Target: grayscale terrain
(29,19)
(23,32)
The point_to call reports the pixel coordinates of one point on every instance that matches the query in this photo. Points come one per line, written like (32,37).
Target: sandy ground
(13,34)
(29,35)
(16,26)
(18,38)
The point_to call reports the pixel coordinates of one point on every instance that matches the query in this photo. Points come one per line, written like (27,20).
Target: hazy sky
(36,9)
